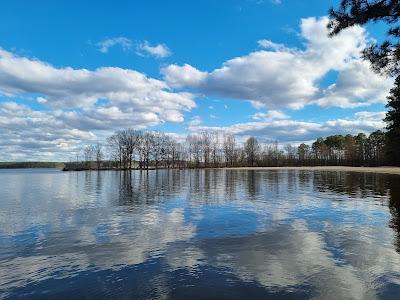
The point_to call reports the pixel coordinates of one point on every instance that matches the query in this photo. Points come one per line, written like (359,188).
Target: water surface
(199,234)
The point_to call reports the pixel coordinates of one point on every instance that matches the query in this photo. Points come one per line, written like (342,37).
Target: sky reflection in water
(199,234)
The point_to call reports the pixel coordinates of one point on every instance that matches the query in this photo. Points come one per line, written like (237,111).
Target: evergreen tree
(303,152)
(393,124)
(384,58)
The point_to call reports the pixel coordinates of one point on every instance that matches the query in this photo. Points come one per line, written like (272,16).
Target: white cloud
(82,88)
(293,131)
(70,96)
(270,115)
(142,48)
(105,45)
(289,77)
(186,75)
(29,134)
(370,115)
(41,100)
(356,86)
(195,121)
(271,45)
(159,50)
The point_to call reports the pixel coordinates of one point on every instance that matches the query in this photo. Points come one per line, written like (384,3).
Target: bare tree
(89,153)
(205,142)
(99,155)
(215,149)
(251,149)
(229,146)
(194,144)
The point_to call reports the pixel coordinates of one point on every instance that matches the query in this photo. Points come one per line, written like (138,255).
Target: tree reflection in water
(200,233)
(219,186)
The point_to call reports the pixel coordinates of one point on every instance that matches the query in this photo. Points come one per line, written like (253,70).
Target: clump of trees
(384,58)
(358,150)
(135,149)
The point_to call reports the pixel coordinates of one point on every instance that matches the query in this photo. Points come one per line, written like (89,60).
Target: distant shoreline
(31,165)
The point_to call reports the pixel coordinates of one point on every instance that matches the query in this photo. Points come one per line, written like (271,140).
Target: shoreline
(379,170)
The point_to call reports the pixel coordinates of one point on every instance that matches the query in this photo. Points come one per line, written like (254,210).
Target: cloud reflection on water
(326,234)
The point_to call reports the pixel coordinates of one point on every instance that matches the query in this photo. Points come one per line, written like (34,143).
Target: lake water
(199,234)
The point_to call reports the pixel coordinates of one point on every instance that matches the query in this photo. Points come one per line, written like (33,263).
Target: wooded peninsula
(135,149)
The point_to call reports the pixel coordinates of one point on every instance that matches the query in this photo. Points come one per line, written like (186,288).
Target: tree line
(136,149)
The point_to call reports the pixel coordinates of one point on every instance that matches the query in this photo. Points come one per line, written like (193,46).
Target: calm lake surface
(199,234)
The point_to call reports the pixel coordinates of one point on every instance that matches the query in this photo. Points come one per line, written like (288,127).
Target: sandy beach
(382,170)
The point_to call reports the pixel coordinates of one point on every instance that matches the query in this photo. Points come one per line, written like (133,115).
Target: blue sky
(72,72)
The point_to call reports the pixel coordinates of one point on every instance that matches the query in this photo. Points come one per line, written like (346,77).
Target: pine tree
(393,124)
(384,58)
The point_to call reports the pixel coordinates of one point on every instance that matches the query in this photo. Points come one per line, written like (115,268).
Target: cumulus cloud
(270,115)
(36,134)
(356,86)
(158,51)
(79,99)
(293,131)
(105,45)
(71,88)
(288,77)
(181,76)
